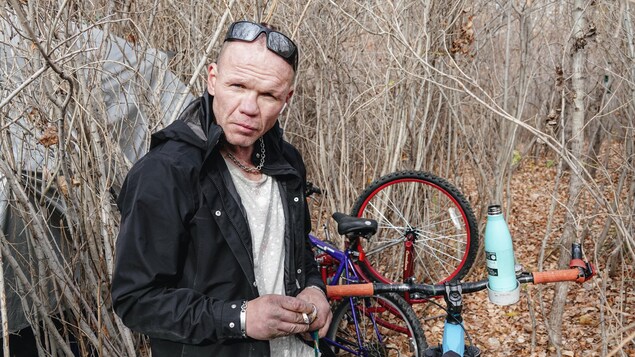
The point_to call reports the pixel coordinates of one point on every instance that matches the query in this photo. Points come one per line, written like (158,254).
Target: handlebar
(368,289)
(579,272)
(311,189)
(579,275)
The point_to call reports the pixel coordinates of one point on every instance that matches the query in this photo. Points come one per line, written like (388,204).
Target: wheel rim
(435,220)
(382,329)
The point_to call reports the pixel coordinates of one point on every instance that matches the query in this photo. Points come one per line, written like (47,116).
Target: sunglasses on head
(277,42)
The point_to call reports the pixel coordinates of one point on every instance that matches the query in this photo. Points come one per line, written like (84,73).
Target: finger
(302,318)
(322,318)
(314,314)
(307,336)
(327,323)
(283,315)
(324,329)
(286,329)
(295,304)
(316,322)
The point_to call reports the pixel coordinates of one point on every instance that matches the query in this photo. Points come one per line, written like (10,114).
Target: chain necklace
(251,170)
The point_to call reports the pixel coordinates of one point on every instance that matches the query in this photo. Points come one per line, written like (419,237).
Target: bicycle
(427,230)
(453,342)
(375,325)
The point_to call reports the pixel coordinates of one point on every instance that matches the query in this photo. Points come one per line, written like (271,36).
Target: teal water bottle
(499,254)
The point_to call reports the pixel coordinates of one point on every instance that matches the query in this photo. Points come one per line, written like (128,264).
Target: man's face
(250,85)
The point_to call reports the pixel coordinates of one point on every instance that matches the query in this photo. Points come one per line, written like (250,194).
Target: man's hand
(315,296)
(272,316)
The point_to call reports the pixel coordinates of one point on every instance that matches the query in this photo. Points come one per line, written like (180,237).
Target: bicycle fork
(408,258)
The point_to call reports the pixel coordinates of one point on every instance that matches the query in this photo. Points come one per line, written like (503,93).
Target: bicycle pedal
(472,351)
(436,351)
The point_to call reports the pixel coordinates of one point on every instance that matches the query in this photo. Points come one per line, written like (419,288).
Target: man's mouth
(245,127)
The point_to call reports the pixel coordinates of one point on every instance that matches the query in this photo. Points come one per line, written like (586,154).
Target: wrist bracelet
(319,289)
(243,319)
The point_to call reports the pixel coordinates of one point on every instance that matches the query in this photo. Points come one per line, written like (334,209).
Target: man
(212,257)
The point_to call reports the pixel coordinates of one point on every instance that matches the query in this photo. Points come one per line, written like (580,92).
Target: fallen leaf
(587,320)
(49,138)
(61,185)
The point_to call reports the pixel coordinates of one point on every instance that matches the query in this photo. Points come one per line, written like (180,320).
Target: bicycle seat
(355,226)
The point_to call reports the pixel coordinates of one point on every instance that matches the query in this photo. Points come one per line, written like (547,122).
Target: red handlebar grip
(554,276)
(350,290)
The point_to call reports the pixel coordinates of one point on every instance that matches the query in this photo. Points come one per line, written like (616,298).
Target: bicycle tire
(429,211)
(387,323)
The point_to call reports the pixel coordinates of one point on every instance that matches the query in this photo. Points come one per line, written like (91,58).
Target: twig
(299,21)
(204,59)
(532,315)
(28,81)
(34,296)
(618,348)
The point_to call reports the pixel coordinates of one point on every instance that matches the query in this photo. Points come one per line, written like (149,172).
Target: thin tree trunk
(576,123)
(3,311)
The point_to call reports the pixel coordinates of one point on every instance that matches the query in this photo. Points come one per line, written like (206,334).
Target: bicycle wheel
(427,229)
(387,325)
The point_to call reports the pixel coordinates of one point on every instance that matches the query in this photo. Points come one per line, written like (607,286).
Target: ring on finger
(306,318)
(313,315)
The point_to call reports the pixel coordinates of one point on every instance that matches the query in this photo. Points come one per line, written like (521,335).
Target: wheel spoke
(389,243)
(384,325)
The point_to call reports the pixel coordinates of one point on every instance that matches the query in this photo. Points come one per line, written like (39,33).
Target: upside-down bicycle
(453,342)
(374,318)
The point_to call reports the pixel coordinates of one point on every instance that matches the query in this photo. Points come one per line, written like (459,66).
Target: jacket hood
(186,128)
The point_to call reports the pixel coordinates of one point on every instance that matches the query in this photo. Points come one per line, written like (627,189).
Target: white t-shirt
(265,215)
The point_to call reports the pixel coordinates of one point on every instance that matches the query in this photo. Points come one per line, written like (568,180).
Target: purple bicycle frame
(350,275)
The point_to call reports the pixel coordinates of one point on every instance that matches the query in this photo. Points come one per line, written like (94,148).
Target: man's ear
(212,73)
(286,102)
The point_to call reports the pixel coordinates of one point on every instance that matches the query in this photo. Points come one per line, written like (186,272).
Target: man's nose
(249,104)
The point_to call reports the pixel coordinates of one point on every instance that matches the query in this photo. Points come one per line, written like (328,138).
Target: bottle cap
(494,210)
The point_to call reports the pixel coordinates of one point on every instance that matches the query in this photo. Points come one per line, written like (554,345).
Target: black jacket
(184,258)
